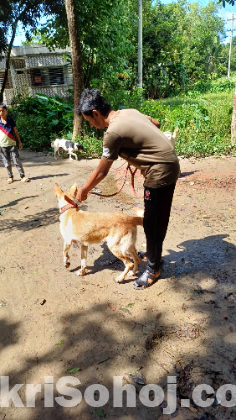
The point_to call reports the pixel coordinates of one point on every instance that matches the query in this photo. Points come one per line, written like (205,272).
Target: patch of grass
(204,122)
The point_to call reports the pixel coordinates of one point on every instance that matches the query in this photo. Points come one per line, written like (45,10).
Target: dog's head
(78,146)
(60,194)
(52,144)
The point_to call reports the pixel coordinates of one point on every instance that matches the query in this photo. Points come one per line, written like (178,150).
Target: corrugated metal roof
(36,49)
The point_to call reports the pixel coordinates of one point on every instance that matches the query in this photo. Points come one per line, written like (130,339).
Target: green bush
(204,122)
(216,86)
(42,119)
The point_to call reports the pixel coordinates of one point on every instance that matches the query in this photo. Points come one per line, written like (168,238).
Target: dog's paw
(130,273)
(67,264)
(81,272)
(119,279)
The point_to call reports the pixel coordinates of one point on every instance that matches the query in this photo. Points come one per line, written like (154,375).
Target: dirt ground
(52,321)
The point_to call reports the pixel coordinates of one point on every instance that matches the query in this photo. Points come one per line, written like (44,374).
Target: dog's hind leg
(66,254)
(133,254)
(128,250)
(116,250)
(84,250)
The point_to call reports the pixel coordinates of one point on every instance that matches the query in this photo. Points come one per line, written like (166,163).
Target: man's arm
(155,122)
(18,137)
(96,176)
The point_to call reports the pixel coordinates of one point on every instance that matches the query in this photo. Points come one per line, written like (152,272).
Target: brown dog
(118,230)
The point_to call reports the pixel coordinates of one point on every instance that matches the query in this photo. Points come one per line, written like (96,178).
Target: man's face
(3,113)
(97,120)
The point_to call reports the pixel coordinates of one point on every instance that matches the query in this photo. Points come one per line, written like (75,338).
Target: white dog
(171,137)
(68,145)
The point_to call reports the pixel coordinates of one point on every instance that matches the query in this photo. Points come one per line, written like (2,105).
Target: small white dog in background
(68,145)
(171,137)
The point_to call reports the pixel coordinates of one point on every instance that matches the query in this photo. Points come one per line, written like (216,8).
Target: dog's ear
(58,191)
(80,146)
(74,189)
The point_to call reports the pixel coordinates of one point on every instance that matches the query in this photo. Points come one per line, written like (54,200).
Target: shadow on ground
(102,340)
(34,221)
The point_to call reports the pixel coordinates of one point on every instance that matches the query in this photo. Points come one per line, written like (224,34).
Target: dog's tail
(138,212)
(138,221)
(175,133)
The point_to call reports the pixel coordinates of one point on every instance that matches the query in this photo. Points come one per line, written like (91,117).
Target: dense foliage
(183,61)
(182,44)
(41,119)
(203,120)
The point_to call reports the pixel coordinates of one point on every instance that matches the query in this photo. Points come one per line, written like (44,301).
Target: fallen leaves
(126,309)
(73,370)
(60,342)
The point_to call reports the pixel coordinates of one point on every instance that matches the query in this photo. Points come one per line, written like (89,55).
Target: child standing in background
(8,145)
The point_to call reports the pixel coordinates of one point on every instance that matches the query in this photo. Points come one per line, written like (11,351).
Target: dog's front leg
(66,254)
(74,154)
(84,250)
(69,151)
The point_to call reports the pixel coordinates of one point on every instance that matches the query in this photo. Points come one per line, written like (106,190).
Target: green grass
(204,122)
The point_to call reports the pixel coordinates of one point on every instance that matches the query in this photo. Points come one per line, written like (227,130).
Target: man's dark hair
(91,99)
(3,106)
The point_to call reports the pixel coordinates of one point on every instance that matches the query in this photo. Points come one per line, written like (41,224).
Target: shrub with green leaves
(212,86)
(204,121)
(41,119)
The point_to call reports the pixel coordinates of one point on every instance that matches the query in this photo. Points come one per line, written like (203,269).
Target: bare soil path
(52,321)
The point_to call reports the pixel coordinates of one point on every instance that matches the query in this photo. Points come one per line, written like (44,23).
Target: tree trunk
(74,34)
(8,60)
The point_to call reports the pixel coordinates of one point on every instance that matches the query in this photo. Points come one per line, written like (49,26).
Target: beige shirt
(132,136)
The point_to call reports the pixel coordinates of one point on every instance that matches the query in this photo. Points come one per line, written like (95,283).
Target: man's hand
(96,176)
(81,195)
(155,122)
(20,145)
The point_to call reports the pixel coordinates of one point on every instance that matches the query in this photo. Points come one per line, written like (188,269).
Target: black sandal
(142,282)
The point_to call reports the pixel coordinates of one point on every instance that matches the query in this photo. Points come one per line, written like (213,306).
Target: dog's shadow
(212,256)
(107,260)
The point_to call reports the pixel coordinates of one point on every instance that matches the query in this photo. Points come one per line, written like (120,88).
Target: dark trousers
(157,206)
(10,154)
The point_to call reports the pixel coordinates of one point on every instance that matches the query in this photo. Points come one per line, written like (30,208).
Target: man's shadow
(209,255)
